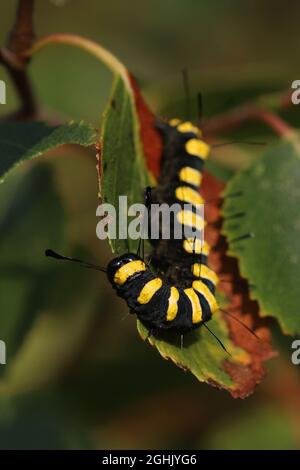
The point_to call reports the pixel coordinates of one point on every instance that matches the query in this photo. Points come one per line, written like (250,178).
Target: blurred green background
(77,374)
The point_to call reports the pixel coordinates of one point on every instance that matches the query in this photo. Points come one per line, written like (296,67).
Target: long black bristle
(53,254)
(215,336)
(240,322)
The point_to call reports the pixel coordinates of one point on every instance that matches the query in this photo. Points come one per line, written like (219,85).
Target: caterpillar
(180,295)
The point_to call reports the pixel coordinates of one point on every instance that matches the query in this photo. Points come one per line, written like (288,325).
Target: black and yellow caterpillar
(180,294)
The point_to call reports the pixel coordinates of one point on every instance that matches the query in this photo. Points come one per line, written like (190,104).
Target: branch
(261,111)
(22,35)
(12,57)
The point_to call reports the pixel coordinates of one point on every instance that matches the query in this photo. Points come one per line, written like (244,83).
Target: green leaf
(124,169)
(200,352)
(21,141)
(270,200)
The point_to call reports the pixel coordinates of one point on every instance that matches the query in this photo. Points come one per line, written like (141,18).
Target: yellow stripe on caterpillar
(195,302)
(197,148)
(204,272)
(189,195)
(172,304)
(188,127)
(174,122)
(200,287)
(197,246)
(148,291)
(190,175)
(127,270)
(191,219)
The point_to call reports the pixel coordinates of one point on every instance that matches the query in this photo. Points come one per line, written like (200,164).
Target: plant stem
(22,35)
(248,112)
(89,46)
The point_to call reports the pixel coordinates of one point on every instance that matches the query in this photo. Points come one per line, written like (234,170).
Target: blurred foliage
(21,268)
(77,375)
(262,429)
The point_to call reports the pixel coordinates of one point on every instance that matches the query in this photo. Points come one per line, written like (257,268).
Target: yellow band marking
(173,304)
(200,287)
(197,148)
(204,272)
(190,175)
(188,127)
(174,122)
(197,246)
(186,217)
(149,290)
(186,194)
(196,307)
(127,270)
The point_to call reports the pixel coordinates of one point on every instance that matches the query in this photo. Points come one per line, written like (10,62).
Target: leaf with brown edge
(238,304)
(243,369)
